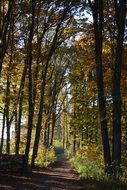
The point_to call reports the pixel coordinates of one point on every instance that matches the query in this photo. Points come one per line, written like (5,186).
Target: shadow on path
(60,177)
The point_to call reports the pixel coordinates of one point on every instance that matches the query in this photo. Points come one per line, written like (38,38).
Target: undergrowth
(89,165)
(46,157)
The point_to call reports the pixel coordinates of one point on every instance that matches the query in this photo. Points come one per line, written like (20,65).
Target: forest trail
(59,177)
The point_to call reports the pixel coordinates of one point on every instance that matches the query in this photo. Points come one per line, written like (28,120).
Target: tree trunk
(97,10)
(5,31)
(53,124)
(74,143)
(16,127)
(54,102)
(3,129)
(39,122)
(7,116)
(63,136)
(48,134)
(28,62)
(120,9)
(21,92)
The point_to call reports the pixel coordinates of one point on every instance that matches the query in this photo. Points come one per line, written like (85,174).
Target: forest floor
(59,177)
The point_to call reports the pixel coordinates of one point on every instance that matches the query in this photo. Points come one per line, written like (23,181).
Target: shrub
(86,168)
(88,164)
(46,157)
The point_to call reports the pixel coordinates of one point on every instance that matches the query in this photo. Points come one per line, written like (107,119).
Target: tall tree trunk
(5,22)
(20,97)
(64,126)
(97,11)
(47,132)
(39,122)
(45,135)
(28,62)
(63,135)
(16,127)
(7,116)
(53,125)
(48,135)
(120,8)
(3,129)
(54,102)
(74,143)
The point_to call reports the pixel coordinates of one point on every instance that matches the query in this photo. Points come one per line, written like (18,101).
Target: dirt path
(60,177)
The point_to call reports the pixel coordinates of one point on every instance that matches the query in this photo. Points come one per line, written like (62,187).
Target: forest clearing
(63,94)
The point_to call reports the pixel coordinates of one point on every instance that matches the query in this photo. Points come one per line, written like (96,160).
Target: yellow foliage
(106,48)
(91,152)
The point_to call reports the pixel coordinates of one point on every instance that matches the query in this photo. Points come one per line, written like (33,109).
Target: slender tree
(20,105)
(97,11)
(120,12)
(28,62)
(5,27)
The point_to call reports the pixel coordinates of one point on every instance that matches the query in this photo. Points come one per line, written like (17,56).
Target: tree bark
(7,115)
(5,25)
(28,62)
(54,102)
(120,9)
(20,97)
(3,129)
(97,11)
